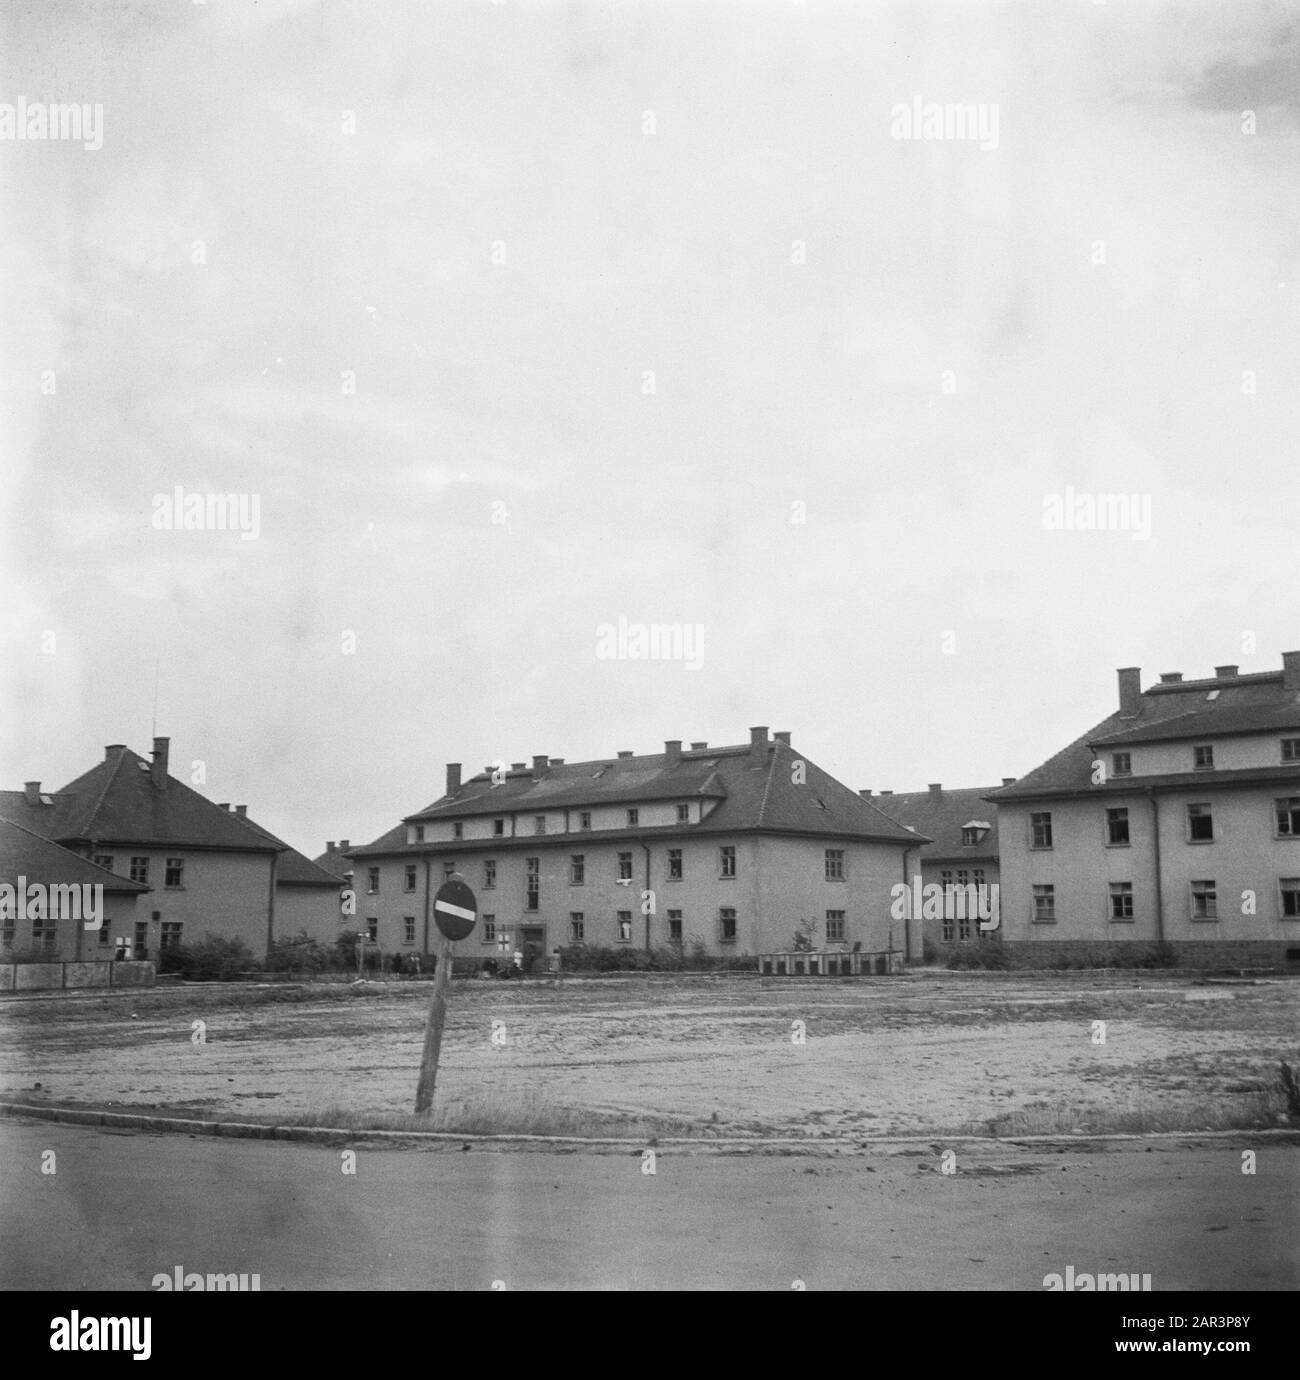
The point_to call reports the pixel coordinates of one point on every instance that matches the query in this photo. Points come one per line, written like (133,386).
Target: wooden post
(433,1030)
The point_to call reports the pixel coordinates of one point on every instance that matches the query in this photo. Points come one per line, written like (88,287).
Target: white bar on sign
(449,909)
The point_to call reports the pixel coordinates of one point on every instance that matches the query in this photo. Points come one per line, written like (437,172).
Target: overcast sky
(509,223)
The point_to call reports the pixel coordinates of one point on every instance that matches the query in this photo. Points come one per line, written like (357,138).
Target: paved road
(124,1206)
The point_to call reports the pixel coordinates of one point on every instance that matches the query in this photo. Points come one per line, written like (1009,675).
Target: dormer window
(1291,749)
(458,830)
(1121,764)
(633,818)
(1203,757)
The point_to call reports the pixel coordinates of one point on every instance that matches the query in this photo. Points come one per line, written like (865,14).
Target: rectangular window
(410,876)
(949,927)
(104,932)
(1203,757)
(1117,828)
(489,935)
(104,860)
(674,864)
(727,860)
(419,833)
(141,949)
(140,870)
(458,830)
(372,928)
(633,818)
(171,934)
(1291,749)
(498,827)
(835,927)
(966,909)
(44,935)
(1121,764)
(584,821)
(7,933)
(674,924)
(625,927)
(577,927)
(1288,816)
(489,873)
(578,869)
(834,864)
(625,867)
(1205,901)
(408,929)
(1040,829)
(174,873)
(372,882)
(539,824)
(970,837)
(1121,900)
(534,882)
(1290,898)
(1044,904)
(727,925)
(1200,824)
(683,814)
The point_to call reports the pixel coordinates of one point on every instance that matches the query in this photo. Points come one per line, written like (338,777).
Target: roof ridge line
(110,777)
(767,787)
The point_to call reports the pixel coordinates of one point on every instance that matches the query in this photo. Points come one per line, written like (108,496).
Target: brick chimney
(698,747)
(865,792)
(158,771)
(758,743)
(886,792)
(225,805)
(329,847)
(625,754)
(343,845)
(241,811)
(1222,672)
(936,788)
(32,792)
(783,737)
(1171,677)
(1130,690)
(453,778)
(1008,780)
(1291,670)
(111,749)
(540,759)
(672,751)
(557,761)
(516,766)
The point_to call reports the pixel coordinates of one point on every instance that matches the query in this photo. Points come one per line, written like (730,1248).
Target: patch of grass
(487,1114)
(1234,1112)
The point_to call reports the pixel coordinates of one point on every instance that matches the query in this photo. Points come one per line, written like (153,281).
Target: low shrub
(213,958)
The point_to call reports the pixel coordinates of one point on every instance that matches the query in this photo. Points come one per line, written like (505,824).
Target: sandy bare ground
(742,1055)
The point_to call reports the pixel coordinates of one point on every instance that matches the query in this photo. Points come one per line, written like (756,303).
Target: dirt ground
(915,1054)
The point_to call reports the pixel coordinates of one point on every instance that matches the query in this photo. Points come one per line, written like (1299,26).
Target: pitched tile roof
(293,868)
(942,816)
(25,853)
(1258,702)
(116,802)
(751,794)
(334,861)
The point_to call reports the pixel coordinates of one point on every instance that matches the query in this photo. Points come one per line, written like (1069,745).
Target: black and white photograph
(650,646)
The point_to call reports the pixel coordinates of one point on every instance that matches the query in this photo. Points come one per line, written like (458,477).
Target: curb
(331,1135)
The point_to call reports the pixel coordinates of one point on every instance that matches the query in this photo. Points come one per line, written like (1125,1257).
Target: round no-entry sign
(454,909)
